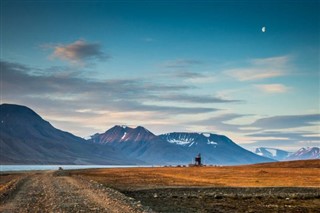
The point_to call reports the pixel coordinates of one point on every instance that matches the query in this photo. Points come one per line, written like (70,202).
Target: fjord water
(7,168)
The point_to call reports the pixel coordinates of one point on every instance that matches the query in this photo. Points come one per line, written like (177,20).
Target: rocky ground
(228,199)
(58,192)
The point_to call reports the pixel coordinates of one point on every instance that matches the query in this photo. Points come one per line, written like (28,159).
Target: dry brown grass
(284,174)
(290,164)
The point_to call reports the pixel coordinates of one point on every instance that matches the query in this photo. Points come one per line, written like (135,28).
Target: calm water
(6,168)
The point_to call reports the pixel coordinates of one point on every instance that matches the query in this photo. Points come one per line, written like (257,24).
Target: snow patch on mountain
(212,142)
(124,135)
(273,152)
(206,134)
(181,142)
(191,144)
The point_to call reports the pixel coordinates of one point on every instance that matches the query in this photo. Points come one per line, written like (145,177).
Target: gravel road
(57,192)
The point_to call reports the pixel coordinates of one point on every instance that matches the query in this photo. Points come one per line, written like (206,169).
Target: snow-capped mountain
(281,155)
(189,139)
(305,153)
(175,148)
(124,133)
(140,143)
(272,153)
(216,149)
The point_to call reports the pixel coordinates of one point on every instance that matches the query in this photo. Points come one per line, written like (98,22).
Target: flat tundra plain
(271,187)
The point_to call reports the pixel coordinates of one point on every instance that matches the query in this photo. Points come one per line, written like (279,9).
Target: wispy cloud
(71,101)
(220,123)
(275,131)
(290,141)
(185,98)
(115,94)
(287,121)
(187,74)
(78,52)
(272,88)
(263,68)
(297,136)
(195,78)
(182,63)
(282,132)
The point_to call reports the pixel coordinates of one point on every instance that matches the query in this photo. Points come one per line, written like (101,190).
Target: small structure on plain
(197,160)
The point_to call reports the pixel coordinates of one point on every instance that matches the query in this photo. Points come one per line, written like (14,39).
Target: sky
(197,66)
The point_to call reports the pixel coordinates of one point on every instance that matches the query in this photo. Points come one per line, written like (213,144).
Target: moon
(263,29)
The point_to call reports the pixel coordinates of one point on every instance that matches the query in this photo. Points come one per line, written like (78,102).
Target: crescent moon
(263,29)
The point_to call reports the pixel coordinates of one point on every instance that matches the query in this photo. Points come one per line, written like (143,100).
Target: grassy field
(282,174)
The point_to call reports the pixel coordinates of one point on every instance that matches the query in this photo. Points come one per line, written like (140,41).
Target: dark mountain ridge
(28,139)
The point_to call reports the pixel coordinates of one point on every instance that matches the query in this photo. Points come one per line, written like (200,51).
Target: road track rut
(47,192)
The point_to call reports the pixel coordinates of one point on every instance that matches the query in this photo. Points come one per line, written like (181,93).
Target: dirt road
(51,192)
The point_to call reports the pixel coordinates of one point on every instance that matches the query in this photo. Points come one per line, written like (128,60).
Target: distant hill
(301,154)
(276,154)
(28,139)
(175,148)
(305,153)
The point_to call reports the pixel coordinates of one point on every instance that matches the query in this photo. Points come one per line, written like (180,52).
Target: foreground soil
(58,192)
(228,199)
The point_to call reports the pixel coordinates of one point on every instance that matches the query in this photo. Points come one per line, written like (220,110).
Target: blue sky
(168,65)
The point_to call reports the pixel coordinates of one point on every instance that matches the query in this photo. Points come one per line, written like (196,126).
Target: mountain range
(305,153)
(281,155)
(175,148)
(26,138)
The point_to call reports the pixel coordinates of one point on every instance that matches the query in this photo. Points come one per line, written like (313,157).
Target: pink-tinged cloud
(78,52)
(259,69)
(272,88)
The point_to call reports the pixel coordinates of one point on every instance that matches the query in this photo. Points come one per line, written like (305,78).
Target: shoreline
(53,167)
